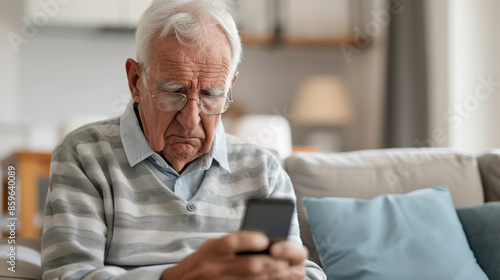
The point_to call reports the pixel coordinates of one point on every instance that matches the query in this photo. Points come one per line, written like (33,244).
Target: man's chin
(182,151)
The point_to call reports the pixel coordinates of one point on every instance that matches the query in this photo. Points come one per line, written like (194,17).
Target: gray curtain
(406,108)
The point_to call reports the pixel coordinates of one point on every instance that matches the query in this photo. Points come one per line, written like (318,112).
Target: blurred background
(331,75)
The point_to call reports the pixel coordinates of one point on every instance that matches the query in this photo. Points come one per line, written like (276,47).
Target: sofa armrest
(489,167)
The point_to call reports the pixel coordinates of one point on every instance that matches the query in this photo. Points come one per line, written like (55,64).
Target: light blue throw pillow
(398,236)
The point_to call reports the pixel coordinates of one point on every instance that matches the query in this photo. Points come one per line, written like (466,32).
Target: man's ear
(133,74)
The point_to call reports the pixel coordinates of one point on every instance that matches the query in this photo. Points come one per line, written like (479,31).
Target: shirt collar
(219,147)
(135,144)
(137,147)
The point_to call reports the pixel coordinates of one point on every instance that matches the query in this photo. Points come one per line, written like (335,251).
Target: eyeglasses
(209,105)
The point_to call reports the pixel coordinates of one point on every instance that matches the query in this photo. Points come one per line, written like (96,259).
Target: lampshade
(322,101)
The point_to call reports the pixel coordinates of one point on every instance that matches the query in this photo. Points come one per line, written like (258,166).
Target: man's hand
(217,259)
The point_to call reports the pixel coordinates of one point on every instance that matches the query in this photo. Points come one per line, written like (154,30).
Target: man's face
(187,134)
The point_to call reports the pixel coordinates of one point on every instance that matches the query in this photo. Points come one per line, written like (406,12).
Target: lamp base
(327,140)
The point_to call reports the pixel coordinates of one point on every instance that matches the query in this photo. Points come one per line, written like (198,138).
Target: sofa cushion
(366,174)
(482,228)
(403,236)
(489,167)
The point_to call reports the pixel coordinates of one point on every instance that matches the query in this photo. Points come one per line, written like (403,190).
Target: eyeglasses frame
(228,96)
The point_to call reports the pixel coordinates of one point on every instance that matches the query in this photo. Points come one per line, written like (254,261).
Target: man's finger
(237,242)
(255,265)
(294,253)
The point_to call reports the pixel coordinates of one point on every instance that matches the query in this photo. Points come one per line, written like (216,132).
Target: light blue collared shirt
(186,184)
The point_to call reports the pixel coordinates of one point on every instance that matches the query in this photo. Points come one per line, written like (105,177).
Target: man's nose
(189,116)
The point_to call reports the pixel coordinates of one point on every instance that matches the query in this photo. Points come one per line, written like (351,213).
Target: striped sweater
(107,220)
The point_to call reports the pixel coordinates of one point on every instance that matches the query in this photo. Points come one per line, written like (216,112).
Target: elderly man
(159,192)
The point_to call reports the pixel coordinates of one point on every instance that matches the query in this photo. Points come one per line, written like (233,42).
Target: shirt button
(158,163)
(190,207)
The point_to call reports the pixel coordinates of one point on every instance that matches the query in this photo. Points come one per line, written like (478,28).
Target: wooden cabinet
(31,177)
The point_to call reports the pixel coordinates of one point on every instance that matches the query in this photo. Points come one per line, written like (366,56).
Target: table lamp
(322,105)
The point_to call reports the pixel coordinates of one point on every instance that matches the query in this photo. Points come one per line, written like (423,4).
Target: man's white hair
(187,19)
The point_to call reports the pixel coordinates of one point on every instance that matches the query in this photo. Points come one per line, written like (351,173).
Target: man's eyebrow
(216,91)
(169,86)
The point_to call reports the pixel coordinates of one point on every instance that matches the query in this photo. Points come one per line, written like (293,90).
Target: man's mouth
(184,139)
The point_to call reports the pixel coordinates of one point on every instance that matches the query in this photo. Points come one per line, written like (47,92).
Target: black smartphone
(271,216)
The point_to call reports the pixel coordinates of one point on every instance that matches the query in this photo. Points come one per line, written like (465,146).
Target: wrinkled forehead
(212,48)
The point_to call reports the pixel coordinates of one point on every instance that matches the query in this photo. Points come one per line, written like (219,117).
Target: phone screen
(270,216)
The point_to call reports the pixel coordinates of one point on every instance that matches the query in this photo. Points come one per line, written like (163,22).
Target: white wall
(474,80)
(269,76)
(71,72)
(10,14)
(11,133)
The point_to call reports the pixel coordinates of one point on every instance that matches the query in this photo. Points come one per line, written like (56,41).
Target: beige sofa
(471,179)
